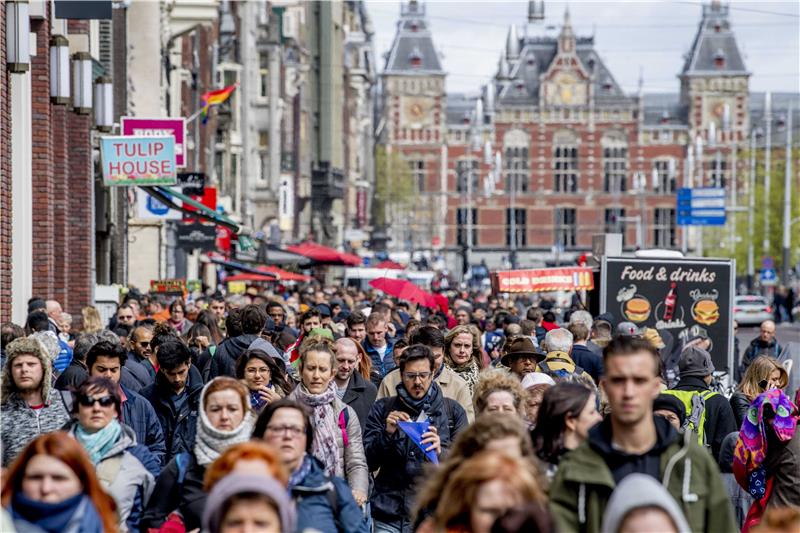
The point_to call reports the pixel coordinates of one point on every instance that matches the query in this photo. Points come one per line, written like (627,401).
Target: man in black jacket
(107,360)
(391,450)
(351,387)
(76,373)
(764,344)
(223,361)
(175,396)
(696,372)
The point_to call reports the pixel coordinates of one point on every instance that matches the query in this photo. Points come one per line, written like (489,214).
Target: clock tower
(413,83)
(566,82)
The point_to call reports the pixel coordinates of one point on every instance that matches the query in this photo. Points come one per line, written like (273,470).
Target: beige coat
(452,386)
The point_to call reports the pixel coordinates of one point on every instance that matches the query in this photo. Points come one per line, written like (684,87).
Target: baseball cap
(628,329)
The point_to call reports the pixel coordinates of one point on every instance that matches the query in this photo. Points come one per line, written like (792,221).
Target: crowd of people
(337,410)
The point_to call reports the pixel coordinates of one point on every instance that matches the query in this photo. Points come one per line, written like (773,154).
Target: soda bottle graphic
(669,303)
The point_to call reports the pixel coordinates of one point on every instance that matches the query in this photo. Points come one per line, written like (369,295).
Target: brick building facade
(46,227)
(551,151)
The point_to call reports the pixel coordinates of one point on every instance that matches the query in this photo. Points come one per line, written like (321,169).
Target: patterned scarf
(210,442)
(99,443)
(469,372)
(302,471)
(424,403)
(751,448)
(326,448)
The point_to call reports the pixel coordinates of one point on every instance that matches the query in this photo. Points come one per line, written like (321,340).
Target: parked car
(751,309)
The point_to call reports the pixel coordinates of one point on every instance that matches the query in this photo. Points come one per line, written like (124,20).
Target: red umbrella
(404,290)
(284,275)
(324,254)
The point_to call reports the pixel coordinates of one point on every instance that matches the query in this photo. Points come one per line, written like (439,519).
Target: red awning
(543,280)
(324,254)
(285,275)
(391,265)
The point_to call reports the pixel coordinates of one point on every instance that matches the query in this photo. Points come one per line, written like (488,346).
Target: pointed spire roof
(413,51)
(502,67)
(512,43)
(566,39)
(714,49)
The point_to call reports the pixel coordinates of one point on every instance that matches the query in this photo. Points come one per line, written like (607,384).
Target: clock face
(566,89)
(416,112)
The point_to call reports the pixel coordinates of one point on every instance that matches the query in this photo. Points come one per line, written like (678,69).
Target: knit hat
(636,491)
(26,346)
(234,484)
(321,332)
(695,362)
(668,402)
(532,379)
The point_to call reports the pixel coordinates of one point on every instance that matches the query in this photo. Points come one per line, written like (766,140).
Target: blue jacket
(313,496)
(141,417)
(385,365)
(137,375)
(587,360)
(179,428)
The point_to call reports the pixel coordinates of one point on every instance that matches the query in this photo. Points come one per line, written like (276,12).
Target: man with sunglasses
(141,351)
(107,360)
(392,451)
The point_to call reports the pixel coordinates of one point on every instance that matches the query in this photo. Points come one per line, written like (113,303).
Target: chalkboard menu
(687,297)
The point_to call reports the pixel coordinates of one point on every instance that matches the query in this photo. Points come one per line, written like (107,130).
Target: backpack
(695,404)
(561,373)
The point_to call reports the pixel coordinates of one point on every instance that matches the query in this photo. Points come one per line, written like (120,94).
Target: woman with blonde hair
(462,354)
(337,431)
(482,489)
(764,373)
(498,391)
(90,318)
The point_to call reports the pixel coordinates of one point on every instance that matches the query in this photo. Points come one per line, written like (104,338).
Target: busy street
(399,266)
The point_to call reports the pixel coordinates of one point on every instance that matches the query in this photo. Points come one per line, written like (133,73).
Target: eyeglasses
(143,344)
(292,431)
(253,371)
(125,317)
(89,401)
(413,376)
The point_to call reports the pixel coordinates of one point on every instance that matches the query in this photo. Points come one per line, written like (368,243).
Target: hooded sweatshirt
(588,475)
(635,492)
(22,423)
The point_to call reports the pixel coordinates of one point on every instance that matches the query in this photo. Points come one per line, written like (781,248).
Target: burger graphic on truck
(637,309)
(705,312)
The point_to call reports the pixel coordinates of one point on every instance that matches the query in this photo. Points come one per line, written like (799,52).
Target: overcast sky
(645,36)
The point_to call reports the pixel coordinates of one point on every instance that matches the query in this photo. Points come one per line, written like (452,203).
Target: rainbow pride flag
(215,98)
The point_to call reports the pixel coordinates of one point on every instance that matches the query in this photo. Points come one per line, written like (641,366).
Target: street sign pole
(787,201)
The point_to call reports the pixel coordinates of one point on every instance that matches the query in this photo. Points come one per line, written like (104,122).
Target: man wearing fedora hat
(521,356)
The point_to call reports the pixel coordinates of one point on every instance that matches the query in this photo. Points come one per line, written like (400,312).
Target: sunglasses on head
(89,401)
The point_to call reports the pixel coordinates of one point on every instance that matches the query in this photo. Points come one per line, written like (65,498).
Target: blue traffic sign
(768,275)
(704,206)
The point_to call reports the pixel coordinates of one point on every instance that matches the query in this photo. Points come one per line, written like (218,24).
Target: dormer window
(465,119)
(607,85)
(415,58)
(717,27)
(519,85)
(664,117)
(719,58)
(531,60)
(591,64)
(414,26)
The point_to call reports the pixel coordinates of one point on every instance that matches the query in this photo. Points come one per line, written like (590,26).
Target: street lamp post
(754,133)
(767,160)
(787,200)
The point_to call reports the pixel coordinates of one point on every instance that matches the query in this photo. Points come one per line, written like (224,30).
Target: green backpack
(695,404)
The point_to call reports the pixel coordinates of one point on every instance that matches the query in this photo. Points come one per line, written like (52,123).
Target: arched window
(515,145)
(615,162)
(565,161)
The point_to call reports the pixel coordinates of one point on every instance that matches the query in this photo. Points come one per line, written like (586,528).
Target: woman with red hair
(52,487)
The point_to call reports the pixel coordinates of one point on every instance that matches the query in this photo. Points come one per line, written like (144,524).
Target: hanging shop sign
(159,127)
(168,286)
(139,161)
(196,235)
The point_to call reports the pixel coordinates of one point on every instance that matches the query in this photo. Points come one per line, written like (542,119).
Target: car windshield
(751,300)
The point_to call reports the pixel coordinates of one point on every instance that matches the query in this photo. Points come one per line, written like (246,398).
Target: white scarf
(210,442)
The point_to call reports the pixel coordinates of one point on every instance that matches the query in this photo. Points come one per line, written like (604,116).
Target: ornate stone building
(551,150)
